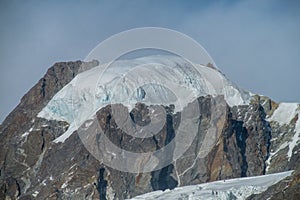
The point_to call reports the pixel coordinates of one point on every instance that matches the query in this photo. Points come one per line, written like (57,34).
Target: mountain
(54,144)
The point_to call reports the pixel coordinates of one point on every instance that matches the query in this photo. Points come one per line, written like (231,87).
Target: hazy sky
(255,43)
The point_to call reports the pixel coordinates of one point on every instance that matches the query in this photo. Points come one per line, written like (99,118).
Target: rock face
(285,189)
(33,166)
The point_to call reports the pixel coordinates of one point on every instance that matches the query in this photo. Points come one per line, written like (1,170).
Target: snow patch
(284,113)
(64,185)
(44,182)
(295,138)
(25,134)
(272,154)
(35,193)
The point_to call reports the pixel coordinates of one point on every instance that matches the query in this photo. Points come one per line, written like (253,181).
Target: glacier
(152,80)
(238,188)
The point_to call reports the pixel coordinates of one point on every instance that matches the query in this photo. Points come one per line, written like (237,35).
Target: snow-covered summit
(161,80)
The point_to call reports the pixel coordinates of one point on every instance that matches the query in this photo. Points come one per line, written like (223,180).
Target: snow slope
(283,115)
(161,80)
(240,188)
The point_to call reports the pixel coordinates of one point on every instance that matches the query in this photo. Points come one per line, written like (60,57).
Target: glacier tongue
(160,80)
(239,188)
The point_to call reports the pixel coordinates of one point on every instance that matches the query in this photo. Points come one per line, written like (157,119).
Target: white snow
(66,134)
(25,134)
(241,188)
(297,126)
(162,80)
(295,138)
(44,182)
(64,185)
(272,154)
(284,113)
(35,193)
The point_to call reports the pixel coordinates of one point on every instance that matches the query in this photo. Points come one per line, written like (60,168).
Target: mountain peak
(152,80)
(235,134)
